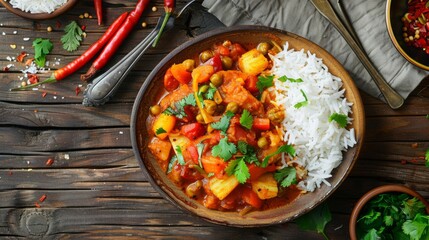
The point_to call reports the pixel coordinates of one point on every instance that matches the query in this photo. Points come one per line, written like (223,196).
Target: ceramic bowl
(153,87)
(395,10)
(39,16)
(374,192)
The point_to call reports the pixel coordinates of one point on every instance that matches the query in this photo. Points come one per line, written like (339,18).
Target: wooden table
(94,186)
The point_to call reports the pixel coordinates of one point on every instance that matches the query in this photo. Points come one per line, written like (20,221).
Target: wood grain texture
(94,187)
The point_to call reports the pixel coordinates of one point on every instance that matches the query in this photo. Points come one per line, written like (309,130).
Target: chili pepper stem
(158,36)
(28,87)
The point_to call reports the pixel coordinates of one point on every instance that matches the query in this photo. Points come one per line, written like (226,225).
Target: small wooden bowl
(246,35)
(39,16)
(395,10)
(374,192)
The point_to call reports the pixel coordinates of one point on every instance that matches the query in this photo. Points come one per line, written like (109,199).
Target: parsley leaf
(179,155)
(427,157)
(224,149)
(42,47)
(246,119)
(341,119)
(264,82)
(283,149)
(224,122)
(302,103)
(316,220)
(284,79)
(160,130)
(180,111)
(171,164)
(286,176)
(72,37)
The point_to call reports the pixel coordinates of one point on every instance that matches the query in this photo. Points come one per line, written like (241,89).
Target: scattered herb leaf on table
(42,47)
(316,220)
(72,37)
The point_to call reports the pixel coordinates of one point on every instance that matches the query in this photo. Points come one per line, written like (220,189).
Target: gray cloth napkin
(301,17)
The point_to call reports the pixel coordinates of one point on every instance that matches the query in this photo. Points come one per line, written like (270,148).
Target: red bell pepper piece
(193,130)
(261,123)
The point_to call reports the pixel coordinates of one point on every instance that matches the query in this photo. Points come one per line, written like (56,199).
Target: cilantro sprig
(224,149)
(246,119)
(239,169)
(42,47)
(223,123)
(341,119)
(72,37)
(283,149)
(179,110)
(294,80)
(264,82)
(286,176)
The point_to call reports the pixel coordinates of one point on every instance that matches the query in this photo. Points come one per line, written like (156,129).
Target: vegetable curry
(217,130)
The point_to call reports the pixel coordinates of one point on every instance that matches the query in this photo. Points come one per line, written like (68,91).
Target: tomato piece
(203,73)
(170,83)
(222,50)
(250,84)
(193,152)
(216,62)
(251,198)
(261,123)
(236,51)
(180,73)
(193,130)
(256,172)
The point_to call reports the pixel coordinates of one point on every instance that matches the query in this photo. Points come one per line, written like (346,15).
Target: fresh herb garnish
(246,119)
(341,119)
(200,148)
(171,164)
(427,157)
(249,152)
(264,82)
(393,216)
(284,79)
(283,149)
(316,220)
(179,155)
(210,92)
(302,103)
(180,106)
(224,149)
(160,130)
(72,37)
(286,176)
(224,122)
(239,168)
(42,47)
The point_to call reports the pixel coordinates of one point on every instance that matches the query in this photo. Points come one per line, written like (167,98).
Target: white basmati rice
(318,142)
(37,6)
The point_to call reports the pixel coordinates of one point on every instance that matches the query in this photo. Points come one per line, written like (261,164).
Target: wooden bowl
(374,192)
(153,87)
(395,10)
(39,16)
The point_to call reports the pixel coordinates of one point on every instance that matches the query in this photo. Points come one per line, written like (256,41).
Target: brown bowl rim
(39,16)
(395,41)
(360,123)
(374,192)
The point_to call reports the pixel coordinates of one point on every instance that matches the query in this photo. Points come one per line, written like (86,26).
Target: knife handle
(392,97)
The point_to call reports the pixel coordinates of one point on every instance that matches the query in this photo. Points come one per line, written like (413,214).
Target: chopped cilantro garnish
(286,176)
(179,155)
(239,169)
(302,103)
(171,164)
(264,82)
(246,119)
(210,92)
(283,149)
(224,122)
(224,149)
(248,151)
(180,111)
(341,119)
(284,79)
(159,131)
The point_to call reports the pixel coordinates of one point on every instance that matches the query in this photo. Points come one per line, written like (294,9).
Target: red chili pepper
(99,10)
(42,198)
(116,41)
(169,8)
(21,57)
(84,58)
(49,162)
